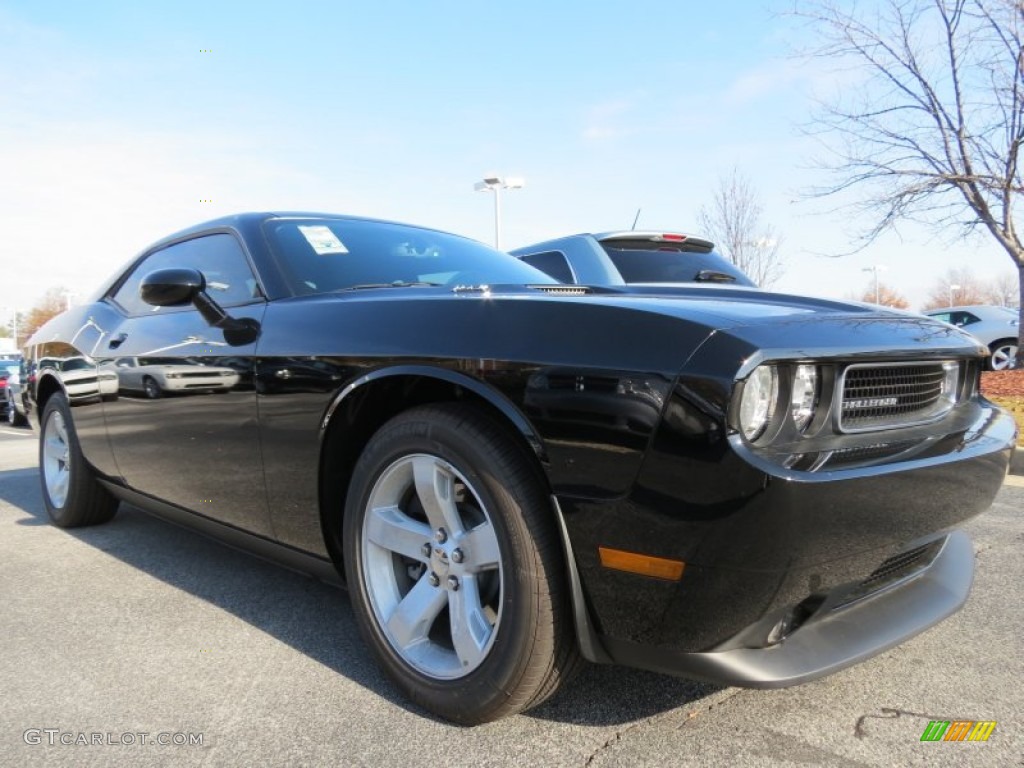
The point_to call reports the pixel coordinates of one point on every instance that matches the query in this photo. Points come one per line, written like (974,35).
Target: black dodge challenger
(512,474)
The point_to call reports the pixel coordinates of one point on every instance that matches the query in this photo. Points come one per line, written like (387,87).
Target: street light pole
(952,288)
(497,218)
(14,324)
(875,270)
(494,183)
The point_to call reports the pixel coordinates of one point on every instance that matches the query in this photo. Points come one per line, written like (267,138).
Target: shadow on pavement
(315,618)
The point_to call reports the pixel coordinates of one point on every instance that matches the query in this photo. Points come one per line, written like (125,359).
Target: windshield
(673,264)
(324,255)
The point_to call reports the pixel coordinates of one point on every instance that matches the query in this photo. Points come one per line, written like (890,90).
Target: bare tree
(733,222)
(1002,291)
(956,287)
(886,296)
(933,132)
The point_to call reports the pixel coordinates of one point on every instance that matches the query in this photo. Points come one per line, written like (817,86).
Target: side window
(943,316)
(552,263)
(966,318)
(229,280)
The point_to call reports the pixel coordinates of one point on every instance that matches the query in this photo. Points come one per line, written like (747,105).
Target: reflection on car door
(183,424)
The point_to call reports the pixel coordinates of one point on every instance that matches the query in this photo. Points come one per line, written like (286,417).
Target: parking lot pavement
(139,631)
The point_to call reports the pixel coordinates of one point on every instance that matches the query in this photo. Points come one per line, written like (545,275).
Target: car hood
(600,327)
(768,319)
(787,326)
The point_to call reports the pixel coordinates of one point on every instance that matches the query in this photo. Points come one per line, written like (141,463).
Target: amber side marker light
(645,565)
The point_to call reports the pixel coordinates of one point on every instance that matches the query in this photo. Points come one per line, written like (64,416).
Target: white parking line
(18,432)
(1014,480)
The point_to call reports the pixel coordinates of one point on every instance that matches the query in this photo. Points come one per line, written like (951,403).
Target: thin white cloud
(606,120)
(780,76)
(763,82)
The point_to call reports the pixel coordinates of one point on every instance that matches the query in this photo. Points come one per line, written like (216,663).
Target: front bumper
(833,637)
(761,544)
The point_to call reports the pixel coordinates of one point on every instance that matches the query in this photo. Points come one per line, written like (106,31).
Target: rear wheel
(1004,355)
(71,493)
(454,566)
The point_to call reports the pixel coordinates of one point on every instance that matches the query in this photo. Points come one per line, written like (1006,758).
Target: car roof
(252,219)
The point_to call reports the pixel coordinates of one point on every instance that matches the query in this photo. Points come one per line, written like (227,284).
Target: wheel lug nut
(457,556)
(426,550)
(453,583)
(441,536)
(434,579)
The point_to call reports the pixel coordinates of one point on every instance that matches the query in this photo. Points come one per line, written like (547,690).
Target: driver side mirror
(177,287)
(172,287)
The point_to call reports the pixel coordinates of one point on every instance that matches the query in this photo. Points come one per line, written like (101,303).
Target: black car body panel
(625,398)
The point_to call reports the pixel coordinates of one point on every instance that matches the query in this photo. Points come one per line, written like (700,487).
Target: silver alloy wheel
(56,459)
(1003,357)
(432,566)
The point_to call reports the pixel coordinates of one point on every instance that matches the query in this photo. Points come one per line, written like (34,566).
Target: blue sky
(115,123)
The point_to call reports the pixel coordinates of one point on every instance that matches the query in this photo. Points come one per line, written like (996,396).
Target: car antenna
(636,219)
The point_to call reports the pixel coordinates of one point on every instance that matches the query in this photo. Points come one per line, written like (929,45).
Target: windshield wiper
(395,284)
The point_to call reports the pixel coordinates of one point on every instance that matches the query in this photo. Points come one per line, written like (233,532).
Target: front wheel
(1004,355)
(151,388)
(14,417)
(454,566)
(71,493)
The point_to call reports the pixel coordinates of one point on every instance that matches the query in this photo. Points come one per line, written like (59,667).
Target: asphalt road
(138,632)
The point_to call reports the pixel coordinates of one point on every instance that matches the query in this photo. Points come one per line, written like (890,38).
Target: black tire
(14,418)
(151,388)
(1003,355)
(529,648)
(71,493)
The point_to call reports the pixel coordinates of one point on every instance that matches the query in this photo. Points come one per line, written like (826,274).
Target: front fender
(477,387)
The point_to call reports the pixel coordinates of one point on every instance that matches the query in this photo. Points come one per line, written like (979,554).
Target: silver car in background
(995,327)
(157,376)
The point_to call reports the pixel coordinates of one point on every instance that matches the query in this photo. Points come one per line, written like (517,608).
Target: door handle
(118,340)
(284,373)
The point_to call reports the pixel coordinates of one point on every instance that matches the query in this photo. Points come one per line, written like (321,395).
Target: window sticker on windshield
(323,240)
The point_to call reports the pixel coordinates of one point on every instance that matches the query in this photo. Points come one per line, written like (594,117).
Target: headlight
(950,381)
(805,395)
(758,402)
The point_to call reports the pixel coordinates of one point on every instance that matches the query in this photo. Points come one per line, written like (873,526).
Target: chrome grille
(880,396)
(867,453)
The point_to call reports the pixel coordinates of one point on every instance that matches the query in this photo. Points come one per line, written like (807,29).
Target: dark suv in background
(632,258)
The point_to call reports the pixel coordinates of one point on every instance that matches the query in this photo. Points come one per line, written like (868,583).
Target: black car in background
(510,474)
